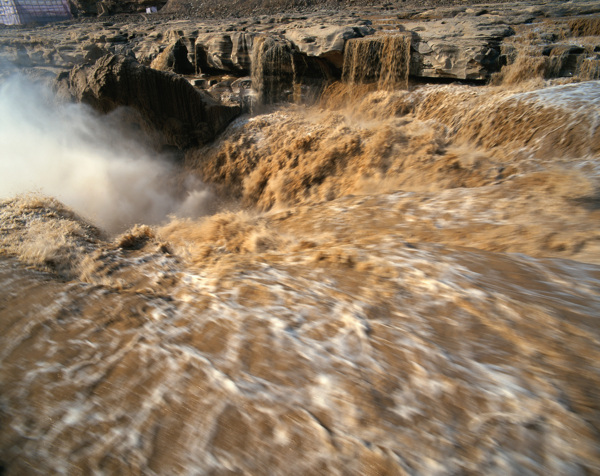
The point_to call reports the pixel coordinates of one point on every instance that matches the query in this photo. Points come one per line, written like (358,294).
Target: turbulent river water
(387,282)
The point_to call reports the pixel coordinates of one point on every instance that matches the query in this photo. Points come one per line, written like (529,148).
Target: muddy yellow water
(395,283)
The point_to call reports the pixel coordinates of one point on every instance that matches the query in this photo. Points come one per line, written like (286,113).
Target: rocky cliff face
(455,43)
(282,73)
(294,57)
(175,59)
(184,115)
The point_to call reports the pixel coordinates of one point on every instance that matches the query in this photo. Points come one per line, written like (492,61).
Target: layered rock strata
(453,43)
(497,42)
(185,116)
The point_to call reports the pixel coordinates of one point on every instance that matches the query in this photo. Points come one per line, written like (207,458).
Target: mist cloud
(88,162)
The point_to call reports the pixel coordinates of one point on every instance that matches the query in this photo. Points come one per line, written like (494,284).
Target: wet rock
(457,48)
(554,52)
(242,83)
(224,52)
(94,53)
(200,83)
(311,76)
(241,51)
(174,59)
(328,42)
(184,115)
(452,42)
(219,50)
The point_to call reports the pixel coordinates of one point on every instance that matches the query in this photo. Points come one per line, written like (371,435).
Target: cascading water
(384,61)
(397,281)
(272,70)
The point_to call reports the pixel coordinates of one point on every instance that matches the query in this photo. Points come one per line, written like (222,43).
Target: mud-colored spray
(561,121)
(585,27)
(383,61)
(589,68)
(530,60)
(397,140)
(531,63)
(87,161)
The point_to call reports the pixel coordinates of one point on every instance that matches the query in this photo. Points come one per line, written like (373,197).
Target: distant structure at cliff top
(20,12)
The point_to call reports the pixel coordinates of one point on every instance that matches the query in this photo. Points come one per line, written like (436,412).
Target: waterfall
(272,70)
(383,61)
(279,72)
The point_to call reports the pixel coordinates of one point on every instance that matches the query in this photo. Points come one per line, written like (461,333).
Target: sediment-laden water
(387,282)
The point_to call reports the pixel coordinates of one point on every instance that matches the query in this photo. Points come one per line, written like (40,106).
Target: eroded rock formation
(458,48)
(184,115)
(451,43)
(326,42)
(174,58)
(281,73)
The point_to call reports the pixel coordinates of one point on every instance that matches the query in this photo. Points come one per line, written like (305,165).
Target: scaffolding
(21,12)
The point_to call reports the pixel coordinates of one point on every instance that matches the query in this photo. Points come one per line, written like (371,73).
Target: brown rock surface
(226,51)
(326,42)
(449,42)
(457,48)
(167,103)
(175,59)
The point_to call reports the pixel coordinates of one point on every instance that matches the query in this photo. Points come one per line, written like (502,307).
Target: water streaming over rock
(272,70)
(384,61)
(280,73)
(404,282)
